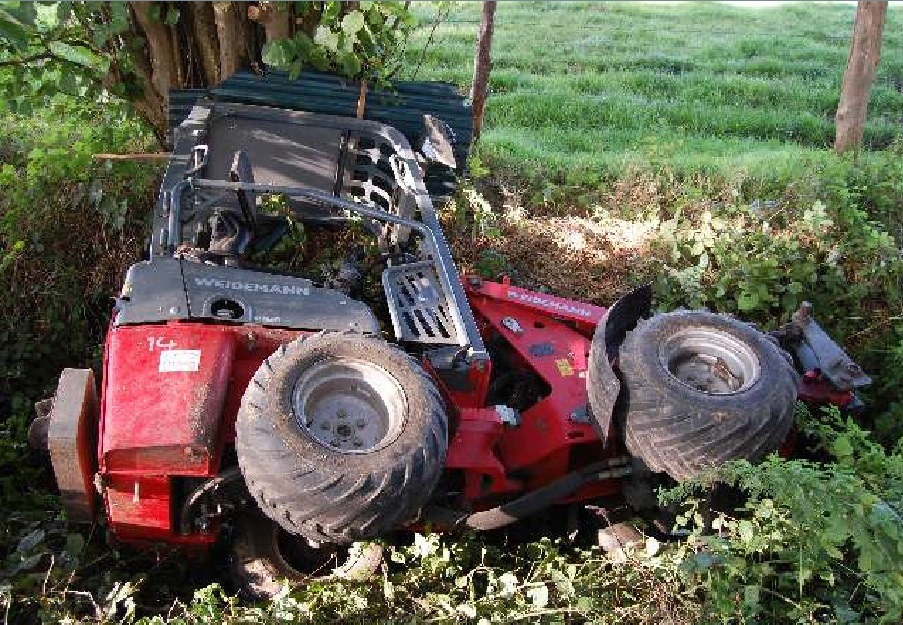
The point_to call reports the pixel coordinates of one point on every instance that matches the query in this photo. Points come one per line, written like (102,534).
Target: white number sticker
(159,343)
(180,360)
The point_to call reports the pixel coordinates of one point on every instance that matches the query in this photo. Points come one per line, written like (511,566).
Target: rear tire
(702,389)
(341,437)
(264,556)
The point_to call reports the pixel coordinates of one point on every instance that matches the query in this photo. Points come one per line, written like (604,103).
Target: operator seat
(235,232)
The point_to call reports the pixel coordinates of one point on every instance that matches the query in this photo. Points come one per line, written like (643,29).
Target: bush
(68,227)
(813,542)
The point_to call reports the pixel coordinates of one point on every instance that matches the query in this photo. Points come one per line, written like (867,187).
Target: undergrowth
(812,542)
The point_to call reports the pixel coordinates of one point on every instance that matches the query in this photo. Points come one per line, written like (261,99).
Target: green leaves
(327,38)
(12,33)
(352,24)
(362,43)
(813,534)
(77,55)
(279,53)
(737,259)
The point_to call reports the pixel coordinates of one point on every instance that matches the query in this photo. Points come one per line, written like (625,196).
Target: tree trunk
(177,45)
(232,31)
(156,67)
(865,51)
(276,22)
(482,63)
(204,30)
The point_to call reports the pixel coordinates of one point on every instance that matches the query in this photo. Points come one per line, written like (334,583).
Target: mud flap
(602,382)
(72,442)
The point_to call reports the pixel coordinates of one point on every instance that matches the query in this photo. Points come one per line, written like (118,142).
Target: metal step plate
(418,305)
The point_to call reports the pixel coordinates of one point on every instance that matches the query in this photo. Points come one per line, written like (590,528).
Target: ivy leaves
(362,43)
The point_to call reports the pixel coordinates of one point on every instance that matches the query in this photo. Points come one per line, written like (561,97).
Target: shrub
(814,541)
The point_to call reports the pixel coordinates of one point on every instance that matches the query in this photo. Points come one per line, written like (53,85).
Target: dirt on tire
(319,492)
(681,430)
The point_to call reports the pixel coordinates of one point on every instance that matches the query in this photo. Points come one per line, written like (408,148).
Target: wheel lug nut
(360,423)
(324,426)
(358,442)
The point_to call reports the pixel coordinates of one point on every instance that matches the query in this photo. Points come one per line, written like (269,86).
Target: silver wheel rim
(710,361)
(350,406)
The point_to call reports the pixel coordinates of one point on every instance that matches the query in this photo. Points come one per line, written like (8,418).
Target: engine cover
(168,289)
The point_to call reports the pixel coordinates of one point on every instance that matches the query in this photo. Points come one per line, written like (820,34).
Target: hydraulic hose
(527,505)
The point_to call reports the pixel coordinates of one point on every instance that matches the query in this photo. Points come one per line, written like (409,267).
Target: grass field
(697,86)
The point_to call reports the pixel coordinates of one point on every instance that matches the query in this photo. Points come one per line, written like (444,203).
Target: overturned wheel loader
(295,419)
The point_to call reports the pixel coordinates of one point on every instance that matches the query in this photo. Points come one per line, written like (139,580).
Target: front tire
(702,389)
(341,437)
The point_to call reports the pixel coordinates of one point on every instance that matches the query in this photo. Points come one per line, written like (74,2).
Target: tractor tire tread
(330,493)
(680,431)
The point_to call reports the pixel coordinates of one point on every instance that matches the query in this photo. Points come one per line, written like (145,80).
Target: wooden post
(481,66)
(865,50)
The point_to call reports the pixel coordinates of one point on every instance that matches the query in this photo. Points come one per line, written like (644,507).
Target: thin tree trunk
(482,63)
(232,31)
(154,72)
(159,45)
(865,51)
(204,25)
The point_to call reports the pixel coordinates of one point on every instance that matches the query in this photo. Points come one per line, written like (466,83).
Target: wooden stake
(150,156)
(362,100)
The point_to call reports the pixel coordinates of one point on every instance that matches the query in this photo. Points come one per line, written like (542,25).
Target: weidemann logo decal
(548,303)
(251,287)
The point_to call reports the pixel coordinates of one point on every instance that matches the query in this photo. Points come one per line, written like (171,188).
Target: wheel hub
(709,360)
(349,405)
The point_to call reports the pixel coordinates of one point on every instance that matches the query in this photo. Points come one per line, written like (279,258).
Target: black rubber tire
(260,568)
(679,430)
(321,493)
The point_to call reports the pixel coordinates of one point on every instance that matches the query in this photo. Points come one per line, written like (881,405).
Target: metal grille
(418,306)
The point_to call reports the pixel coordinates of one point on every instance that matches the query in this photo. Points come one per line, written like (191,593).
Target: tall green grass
(694,86)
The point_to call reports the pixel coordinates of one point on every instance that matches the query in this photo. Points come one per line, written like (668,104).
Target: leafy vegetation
(359,43)
(624,143)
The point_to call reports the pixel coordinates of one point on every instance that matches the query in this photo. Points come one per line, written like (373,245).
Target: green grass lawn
(696,86)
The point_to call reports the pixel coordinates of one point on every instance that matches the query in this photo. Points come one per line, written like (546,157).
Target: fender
(604,386)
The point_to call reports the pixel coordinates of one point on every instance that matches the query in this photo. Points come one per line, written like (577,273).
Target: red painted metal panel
(170,397)
(253,344)
(551,337)
(473,448)
(139,507)
(585,316)
(163,398)
(558,354)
